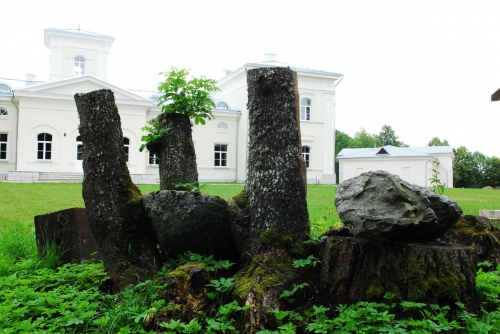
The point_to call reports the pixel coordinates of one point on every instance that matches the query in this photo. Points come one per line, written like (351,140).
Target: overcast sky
(426,68)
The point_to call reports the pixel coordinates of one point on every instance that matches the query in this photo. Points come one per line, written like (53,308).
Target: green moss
(172,307)
(375,291)
(180,272)
(418,285)
(241,200)
(423,279)
(277,237)
(189,148)
(113,111)
(276,270)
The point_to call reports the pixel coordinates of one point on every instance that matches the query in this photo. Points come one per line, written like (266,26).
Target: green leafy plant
(181,95)
(311,260)
(287,294)
(185,96)
(190,187)
(435,181)
(153,138)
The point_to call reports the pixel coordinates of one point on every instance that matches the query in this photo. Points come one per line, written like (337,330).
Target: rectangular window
(154,158)
(3,146)
(220,155)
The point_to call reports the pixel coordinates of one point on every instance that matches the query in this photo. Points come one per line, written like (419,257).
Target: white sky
(426,68)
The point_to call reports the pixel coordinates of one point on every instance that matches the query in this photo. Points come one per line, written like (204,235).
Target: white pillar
(328,140)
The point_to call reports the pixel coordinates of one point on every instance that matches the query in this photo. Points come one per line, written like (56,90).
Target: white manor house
(39,137)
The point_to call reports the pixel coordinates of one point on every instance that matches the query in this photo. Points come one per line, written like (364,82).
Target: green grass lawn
(20,202)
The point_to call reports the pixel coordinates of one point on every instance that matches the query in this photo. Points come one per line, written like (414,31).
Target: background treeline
(470,169)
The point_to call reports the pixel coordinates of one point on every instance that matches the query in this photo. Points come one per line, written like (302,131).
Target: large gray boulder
(379,205)
(189,221)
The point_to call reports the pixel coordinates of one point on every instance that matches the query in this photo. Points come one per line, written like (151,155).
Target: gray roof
(393,152)
(296,68)
(78,31)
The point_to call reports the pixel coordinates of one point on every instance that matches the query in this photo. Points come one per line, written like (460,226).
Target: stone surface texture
(190,221)
(379,205)
(70,231)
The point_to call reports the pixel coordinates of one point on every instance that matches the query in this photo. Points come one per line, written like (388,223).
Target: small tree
(181,96)
(169,134)
(435,181)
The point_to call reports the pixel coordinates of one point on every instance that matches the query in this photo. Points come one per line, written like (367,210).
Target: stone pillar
(116,217)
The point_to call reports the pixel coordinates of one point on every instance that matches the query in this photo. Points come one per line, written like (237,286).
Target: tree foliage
(187,96)
(342,140)
(435,141)
(387,136)
(181,95)
(363,139)
(474,169)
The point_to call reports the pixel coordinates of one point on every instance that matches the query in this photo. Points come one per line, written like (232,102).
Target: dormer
(382,151)
(75,52)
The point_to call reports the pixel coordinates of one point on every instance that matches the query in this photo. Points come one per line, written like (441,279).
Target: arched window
(221,105)
(4,112)
(222,126)
(79,68)
(126,147)
(3,146)
(305,109)
(44,146)
(306,153)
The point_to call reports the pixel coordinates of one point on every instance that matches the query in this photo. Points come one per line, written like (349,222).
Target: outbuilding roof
(390,151)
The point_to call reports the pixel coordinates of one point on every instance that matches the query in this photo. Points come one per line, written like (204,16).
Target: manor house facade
(39,137)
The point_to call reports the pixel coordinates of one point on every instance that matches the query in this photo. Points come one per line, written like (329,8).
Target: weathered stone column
(271,218)
(116,217)
(177,155)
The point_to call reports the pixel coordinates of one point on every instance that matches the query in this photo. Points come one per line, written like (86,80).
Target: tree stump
(355,269)
(477,233)
(274,197)
(116,217)
(177,156)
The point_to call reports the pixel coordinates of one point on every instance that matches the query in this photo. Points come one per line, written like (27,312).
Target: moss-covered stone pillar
(177,155)
(116,217)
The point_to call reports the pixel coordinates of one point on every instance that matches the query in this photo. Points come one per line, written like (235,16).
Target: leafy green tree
(492,171)
(363,139)
(342,140)
(387,136)
(468,168)
(188,97)
(435,141)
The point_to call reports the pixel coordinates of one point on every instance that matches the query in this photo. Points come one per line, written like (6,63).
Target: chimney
(270,57)
(30,79)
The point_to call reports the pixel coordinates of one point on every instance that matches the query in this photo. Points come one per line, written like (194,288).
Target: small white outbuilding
(412,164)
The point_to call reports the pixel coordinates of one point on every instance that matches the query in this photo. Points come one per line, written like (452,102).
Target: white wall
(8,125)
(416,170)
